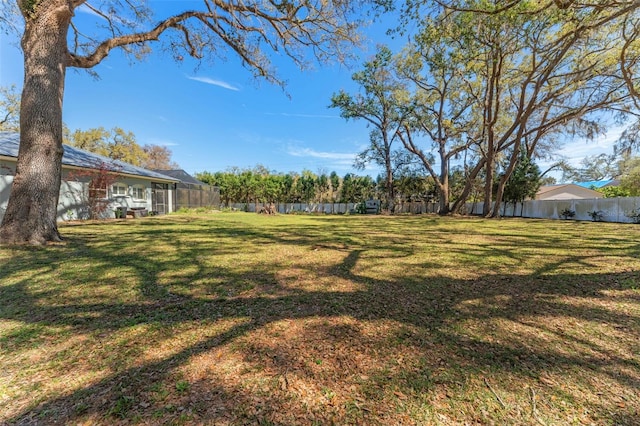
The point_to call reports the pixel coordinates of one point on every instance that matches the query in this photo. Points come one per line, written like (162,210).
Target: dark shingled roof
(181,175)
(10,143)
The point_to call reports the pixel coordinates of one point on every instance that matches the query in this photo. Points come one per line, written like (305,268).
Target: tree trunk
(500,192)
(495,213)
(443,185)
(457,205)
(32,209)
(487,206)
(391,193)
(443,205)
(513,160)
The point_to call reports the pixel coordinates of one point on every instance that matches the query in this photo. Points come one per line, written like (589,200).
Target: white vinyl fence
(611,209)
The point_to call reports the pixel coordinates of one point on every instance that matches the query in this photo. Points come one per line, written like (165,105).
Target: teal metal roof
(596,183)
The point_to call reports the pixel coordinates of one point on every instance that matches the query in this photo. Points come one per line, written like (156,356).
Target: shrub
(634,215)
(567,213)
(99,180)
(596,215)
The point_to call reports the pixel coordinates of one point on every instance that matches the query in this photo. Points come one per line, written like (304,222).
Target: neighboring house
(597,184)
(566,191)
(131,188)
(191,193)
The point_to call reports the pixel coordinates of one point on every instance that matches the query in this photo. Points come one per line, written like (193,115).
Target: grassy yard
(234,319)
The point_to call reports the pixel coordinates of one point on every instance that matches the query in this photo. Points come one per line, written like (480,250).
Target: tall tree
(158,158)
(248,28)
(541,69)
(288,188)
(378,107)
(630,178)
(523,183)
(306,186)
(558,73)
(271,187)
(124,147)
(323,186)
(226,181)
(94,140)
(445,107)
(356,189)
(334,180)
(121,145)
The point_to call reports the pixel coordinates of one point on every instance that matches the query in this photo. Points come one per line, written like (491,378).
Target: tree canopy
(122,145)
(259,185)
(488,84)
(376,105)
(523,183)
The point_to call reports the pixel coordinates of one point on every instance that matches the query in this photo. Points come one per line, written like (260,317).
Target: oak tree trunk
(32,209)
(391,193)
(468,186)
(443,186)
(487,206)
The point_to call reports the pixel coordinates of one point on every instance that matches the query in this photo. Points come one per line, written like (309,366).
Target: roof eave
(71,167)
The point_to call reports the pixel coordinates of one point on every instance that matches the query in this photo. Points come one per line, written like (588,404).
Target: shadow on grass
(432,314)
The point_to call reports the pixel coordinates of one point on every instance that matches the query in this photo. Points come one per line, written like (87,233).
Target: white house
(567,191)
(132,188)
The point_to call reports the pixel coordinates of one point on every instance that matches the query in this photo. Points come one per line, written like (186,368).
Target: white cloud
(213,82)
(162,142)
(86,9)
(575,151)
(308,152)
(340,161)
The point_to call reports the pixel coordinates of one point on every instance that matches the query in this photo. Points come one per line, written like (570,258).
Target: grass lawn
(237,318)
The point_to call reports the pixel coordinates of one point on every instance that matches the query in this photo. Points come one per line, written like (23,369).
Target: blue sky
(215,116)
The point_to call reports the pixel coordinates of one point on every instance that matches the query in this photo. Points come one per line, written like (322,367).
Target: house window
(118,189)
(97,191)
(139,192)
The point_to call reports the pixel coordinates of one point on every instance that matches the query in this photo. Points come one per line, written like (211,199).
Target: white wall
(7,170)
(72,203)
